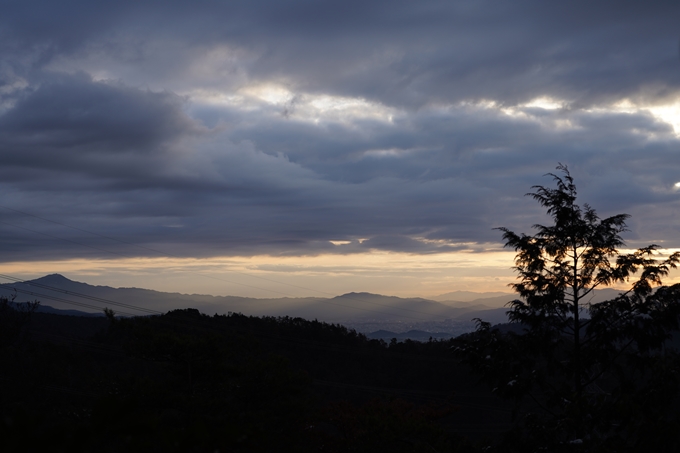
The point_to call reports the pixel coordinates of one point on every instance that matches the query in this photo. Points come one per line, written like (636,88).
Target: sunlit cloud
(271,94)
(304,107)
(669,114)
(545,103)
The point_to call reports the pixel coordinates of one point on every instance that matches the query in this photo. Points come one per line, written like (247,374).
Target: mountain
(62,293)
(67,296)
(494,302)
(55,311)
(469,296)
(365,312)
(499,315)
(376,306)
(494,315)
(417,335)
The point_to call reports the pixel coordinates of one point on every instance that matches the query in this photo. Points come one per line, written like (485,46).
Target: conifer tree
(585,375)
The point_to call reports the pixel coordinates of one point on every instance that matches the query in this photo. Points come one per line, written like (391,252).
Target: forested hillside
(185,381)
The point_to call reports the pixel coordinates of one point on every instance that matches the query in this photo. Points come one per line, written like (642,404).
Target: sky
(268,148)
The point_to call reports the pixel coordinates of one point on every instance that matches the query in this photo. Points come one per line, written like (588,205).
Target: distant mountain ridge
(372,311)
(469,296)
(418,335)
(354,306)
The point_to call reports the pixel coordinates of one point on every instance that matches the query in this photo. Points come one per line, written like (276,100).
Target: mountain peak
(52,278)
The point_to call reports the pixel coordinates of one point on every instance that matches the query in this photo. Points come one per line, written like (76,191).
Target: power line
(59,299)
(161,252)
(134,307)
(200,274)
(186,322)
(84,296)
(129,256)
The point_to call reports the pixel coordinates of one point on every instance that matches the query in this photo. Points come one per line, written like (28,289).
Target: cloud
(249,128)
(397,53)
(74,124)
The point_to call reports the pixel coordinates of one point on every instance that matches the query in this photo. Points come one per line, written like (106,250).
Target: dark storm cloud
(71,122)
(401,53)
(111,120)
(116,117)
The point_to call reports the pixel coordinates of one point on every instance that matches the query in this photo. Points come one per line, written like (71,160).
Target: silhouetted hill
(55,311)
(365,312)
(416,335)
(496,301)
(376,305)
(469,296)
(138,297)
(499,315)
(57,291)
(185,381)
(494,315)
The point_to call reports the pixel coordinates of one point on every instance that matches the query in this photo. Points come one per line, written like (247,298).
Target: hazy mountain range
(381,316)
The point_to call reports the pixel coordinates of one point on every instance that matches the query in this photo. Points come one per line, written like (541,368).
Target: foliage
(584,374)
(13,318)
(185,381)
(392,424)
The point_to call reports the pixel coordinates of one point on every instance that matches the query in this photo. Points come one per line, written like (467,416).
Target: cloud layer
(296,128)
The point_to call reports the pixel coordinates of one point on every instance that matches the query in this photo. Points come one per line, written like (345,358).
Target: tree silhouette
(588,374)
(13,318)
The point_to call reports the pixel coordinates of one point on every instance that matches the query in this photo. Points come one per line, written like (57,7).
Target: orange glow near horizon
(396,274)
(388,273)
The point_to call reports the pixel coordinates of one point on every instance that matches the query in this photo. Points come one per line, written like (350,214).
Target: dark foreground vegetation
(585,376)
(189,382)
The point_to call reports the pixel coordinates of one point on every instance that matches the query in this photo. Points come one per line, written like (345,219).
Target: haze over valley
(378,316)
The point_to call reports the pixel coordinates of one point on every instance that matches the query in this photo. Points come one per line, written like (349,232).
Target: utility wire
(185,323)
(84,296)
(59,299)
(242,284)
(193,272)
(130,256)
(134,307)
